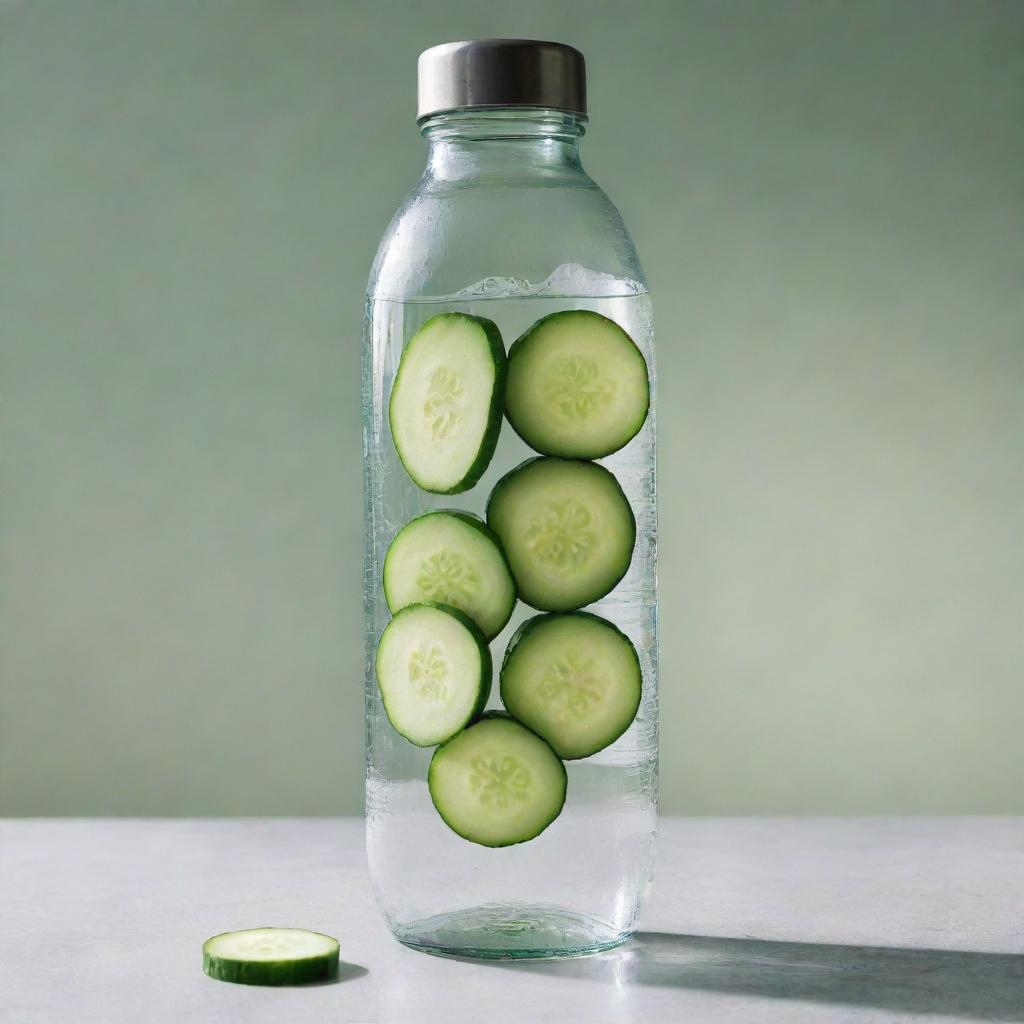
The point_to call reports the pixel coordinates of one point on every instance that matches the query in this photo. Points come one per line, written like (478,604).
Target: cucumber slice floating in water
(574,680)
(496,783)
(578,386)
(271,956)
(447,401)
(567,529)
(453,558)
(434,672)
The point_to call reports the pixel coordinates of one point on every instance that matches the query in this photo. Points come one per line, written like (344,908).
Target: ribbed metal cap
(501,73)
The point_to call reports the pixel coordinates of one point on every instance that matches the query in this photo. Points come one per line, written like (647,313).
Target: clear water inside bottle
(578,886)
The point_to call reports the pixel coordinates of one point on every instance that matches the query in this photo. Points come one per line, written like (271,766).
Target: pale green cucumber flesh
(567,531)
(271,956)
(577,387)
(447,401)
(497,783)
(451,557)
(574,679)
(433,670)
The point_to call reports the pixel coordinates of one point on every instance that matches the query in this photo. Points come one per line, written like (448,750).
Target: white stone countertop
(750,920)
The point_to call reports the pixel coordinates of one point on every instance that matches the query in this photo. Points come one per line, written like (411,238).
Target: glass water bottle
(506,224)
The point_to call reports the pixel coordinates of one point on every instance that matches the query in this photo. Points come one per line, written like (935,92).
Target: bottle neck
(503,142)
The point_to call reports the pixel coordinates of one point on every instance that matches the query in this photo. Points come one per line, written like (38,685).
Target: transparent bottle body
(506,225)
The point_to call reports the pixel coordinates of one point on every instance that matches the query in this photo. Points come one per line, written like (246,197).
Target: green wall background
(829,199)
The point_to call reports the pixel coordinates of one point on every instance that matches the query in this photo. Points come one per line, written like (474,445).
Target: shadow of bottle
(985,986)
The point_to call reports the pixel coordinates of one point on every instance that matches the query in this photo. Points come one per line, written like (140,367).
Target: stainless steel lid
(501,73)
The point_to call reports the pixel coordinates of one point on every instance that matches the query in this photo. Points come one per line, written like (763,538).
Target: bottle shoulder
(447,235)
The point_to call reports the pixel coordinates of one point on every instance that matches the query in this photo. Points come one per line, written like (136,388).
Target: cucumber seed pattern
(428,671)
(445,576)
(572,685)
(441,409)
(499,780)
(561,534)
(575,388)
(265,942)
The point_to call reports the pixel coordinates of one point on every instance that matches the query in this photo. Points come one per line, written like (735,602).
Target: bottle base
(500,932)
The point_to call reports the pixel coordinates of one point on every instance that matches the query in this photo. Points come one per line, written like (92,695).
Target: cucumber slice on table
(567,529)
(447,401)
(496,783)
(574,680)
(271,956)
(577,386)
(434,672)
(451,557)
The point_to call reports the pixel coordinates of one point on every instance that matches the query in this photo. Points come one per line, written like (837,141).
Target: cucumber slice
(271,956)
(577,386)
(447,401)
(567,529)
(496,783)
(451,557)
(434,672)
(574,680)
